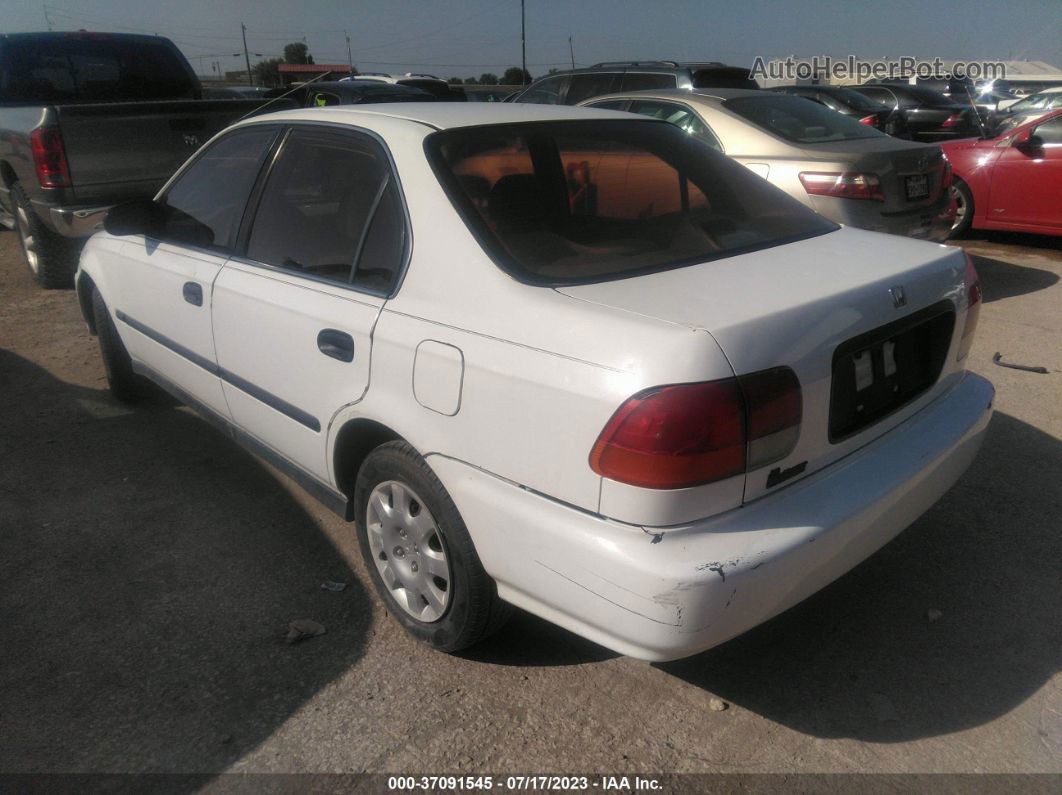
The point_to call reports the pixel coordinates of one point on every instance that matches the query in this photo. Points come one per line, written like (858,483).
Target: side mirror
(1029,142)
(140,217)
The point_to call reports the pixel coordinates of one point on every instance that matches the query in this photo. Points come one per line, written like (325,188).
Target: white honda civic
(566,359)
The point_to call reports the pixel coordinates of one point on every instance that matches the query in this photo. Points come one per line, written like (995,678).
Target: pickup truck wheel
(52,258)
(125,384)
(419,553)
(964,207)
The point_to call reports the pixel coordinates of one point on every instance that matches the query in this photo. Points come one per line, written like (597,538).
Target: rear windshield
(69,69)
(853,99)
(797,120)
(585,201)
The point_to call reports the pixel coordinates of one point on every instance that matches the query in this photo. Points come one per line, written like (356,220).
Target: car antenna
(281,96)
(977,113)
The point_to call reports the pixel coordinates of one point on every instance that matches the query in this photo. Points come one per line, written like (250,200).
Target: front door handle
(193,293)
(337,344)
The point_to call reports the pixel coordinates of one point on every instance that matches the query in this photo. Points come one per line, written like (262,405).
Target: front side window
(545,92)
(1050,132)
(583,201)
(205,204)
(679,115)
(330,210)
(797,120)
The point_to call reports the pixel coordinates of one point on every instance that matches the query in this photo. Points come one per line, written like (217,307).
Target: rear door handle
(193,293)
(337,344)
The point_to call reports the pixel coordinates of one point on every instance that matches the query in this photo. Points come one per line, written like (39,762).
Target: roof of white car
(443,115)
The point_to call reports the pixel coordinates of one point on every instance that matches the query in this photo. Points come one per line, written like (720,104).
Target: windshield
(798,120)
(70,69)
(1035,102)
(571,202)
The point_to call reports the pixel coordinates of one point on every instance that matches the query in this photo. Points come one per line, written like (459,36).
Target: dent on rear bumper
(661,594)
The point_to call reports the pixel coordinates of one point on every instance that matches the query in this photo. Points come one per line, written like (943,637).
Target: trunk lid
(813,306)
(911,173)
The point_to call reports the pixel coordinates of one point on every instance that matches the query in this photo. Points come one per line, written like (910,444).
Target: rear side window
(681,116)
(723,77)
(797,120)
(70,69)
(880,95)
(206,202)
(545,92)
(583,201)
(329,207)
(641,81)
(591,84)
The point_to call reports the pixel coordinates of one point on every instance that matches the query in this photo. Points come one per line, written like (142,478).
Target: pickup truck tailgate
(114,149)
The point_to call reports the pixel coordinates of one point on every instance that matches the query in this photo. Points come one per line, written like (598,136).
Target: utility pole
(523,46)
(246,56)
(571,49)
(350,58)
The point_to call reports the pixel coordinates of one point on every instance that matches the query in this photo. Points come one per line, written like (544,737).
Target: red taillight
(971,285)
(870,121)
(683,435)
(49,158)
(845,186)
(954,120)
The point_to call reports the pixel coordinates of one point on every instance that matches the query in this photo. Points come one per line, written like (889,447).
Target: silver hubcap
(29,243)
(960,206)
(408,550)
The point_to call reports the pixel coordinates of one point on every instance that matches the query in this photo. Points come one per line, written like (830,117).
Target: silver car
(845,170)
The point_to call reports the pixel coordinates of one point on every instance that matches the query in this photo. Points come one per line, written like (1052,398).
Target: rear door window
(206,202)
(546,92)
(330,211)
(591,84)
(880,95)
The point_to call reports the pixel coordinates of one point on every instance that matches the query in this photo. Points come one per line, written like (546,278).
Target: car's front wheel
(125,384)
(419,553)
(964,208)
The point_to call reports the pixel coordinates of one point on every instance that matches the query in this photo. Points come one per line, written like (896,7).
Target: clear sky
(468,37)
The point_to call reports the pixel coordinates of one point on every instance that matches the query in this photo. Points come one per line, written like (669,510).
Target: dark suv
(575,85)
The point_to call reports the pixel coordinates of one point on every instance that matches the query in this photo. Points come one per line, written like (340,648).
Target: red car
(1012,182)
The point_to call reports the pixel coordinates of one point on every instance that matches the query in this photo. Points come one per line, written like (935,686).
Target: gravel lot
(149,569)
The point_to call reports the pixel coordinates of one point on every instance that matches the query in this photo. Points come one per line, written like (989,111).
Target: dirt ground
(149,569)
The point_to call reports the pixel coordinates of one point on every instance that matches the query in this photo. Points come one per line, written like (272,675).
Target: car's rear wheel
(124,383)
(52,258)
(419,553)
(964,208)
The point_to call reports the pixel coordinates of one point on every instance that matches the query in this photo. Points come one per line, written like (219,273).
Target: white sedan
(560,358)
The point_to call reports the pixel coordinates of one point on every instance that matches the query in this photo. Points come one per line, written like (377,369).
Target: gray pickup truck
(88,120)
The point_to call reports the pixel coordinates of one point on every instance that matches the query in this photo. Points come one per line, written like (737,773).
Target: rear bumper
(661,596)
(76,221)
(928,223)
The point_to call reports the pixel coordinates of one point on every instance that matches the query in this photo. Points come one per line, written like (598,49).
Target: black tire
(474,610)
(125,384)
(50,257)
(964,196)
